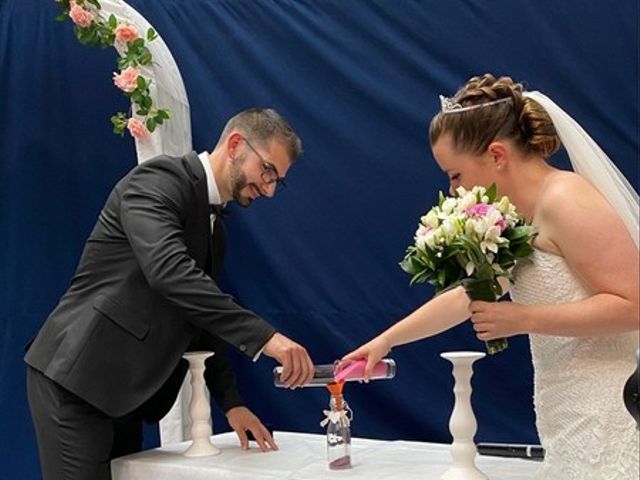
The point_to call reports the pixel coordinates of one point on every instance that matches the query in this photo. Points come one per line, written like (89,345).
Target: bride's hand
(372,352)
(497,319)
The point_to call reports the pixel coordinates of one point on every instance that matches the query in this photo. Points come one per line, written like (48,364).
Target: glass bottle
(384,369)
(339,433)
(326,373)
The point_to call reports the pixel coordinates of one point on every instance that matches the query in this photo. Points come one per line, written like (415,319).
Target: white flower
(420,236)
(508,211)
(468,200)
(431,239)
(493,216)
(431,219)
(461,192)
(449,229)
(449,205)
(491,240)
(470,267)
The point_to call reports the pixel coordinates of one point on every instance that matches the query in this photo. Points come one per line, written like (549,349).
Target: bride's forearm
(601,314)
(439,314)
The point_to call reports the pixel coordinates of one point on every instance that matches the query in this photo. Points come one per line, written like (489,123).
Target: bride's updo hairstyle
(487,109)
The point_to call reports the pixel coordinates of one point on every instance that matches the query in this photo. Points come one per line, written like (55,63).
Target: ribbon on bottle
(335,416)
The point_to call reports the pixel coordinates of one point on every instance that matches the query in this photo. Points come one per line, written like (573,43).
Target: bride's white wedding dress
(583,425)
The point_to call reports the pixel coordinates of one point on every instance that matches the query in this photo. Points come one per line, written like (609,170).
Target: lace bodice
(583,425)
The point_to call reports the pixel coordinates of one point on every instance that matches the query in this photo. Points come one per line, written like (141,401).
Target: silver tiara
(448,105)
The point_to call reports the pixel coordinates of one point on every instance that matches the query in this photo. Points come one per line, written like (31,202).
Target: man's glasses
(269,172)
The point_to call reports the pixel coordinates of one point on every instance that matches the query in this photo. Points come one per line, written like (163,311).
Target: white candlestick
(199,409)
(462,423)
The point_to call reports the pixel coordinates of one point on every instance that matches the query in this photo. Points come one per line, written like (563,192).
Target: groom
(109,355)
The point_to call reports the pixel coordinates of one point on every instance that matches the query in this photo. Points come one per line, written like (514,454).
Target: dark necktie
(218,242)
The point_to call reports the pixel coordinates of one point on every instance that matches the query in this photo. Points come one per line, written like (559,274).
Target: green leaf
(517,233)
(497,288)
(472,248)
(523,251)
(479,289)
(496,345)
(61,17)
(151,34)
(491,192)
(408,266)
(144,57)
(151,124)
(119,121)
(113,21)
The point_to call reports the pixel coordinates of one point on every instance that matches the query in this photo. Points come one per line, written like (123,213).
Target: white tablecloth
(303,456)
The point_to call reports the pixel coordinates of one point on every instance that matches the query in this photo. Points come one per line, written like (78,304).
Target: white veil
(589,161)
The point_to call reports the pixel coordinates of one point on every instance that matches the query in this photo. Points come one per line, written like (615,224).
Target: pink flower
(127,79)
(80,16)
(479,210)
(126,33)
(493,214)
(137,128)
(422,231)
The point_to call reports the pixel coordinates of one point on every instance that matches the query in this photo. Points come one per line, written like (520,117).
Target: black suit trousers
(75,440)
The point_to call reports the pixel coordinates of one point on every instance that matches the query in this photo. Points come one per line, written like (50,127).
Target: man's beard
(238,181)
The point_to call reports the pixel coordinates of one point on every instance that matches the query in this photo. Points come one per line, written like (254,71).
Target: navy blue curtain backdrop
(359,80)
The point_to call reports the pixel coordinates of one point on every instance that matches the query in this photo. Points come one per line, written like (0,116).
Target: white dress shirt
(214,199)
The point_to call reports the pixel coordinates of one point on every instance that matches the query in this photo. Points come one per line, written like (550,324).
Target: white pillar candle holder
(462,423)
(199,409)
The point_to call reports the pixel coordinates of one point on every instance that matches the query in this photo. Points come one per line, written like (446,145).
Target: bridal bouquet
(469,240)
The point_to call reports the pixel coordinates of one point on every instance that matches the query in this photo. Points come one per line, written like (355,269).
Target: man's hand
(242,419)
(297,367)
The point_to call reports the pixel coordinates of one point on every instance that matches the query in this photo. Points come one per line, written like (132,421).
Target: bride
(578,297)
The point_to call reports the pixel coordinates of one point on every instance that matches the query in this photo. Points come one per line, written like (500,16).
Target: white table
(303,456)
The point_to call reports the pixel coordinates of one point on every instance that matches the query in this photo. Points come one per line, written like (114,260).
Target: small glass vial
(339,433)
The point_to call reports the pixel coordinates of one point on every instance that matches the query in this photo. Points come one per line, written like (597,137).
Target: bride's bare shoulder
(570,191)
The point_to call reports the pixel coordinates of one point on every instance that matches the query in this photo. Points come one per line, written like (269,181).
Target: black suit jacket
(140,297)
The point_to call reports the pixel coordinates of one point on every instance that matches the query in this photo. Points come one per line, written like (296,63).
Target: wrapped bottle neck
(337,402)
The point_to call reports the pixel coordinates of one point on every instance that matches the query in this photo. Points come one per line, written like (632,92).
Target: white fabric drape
(166,90)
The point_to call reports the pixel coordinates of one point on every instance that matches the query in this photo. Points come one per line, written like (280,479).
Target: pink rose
(126,33)
(127,79)
(479,210)
(137,128)
(483,210)
(80,16)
